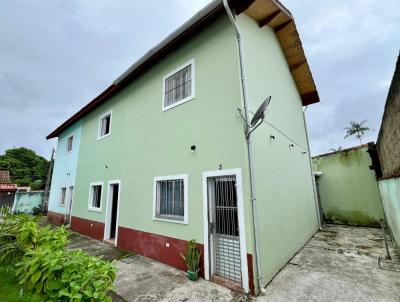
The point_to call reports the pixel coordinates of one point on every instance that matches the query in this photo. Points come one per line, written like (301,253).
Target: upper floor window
(170,198)
(179,86)
(69,143)
(104,126)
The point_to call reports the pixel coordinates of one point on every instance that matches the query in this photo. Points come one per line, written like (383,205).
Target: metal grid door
(224,228)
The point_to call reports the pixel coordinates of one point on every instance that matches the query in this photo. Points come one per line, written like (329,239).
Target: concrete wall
(285,197)
(64,167)
(388,145)
(390,193)
(348,188)
(26,202)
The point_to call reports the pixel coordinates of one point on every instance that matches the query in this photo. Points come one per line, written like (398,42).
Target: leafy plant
(17,234)
(356,128)
(192,257)
(63,275)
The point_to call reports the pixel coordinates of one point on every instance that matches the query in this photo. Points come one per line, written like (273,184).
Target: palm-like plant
(356,128)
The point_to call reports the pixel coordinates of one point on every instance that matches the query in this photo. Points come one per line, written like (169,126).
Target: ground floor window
(63,192)
(95,193)
(170,198)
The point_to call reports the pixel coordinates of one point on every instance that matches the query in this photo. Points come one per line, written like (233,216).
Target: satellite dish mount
(258,117)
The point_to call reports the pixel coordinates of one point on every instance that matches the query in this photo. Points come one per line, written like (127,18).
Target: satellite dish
(260,113)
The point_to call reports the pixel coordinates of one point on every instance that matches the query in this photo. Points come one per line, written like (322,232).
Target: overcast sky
(55,56)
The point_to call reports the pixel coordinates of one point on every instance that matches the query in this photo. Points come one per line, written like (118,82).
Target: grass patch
(9,289)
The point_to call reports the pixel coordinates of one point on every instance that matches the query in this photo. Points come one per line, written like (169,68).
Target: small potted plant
(192,260)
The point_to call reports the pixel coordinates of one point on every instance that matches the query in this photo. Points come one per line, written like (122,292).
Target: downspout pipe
(248,142)
(318,210)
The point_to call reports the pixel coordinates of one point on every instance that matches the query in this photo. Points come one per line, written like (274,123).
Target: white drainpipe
(312,173)
(249,146)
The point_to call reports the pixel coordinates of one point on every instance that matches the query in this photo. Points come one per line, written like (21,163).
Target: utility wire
(283,133)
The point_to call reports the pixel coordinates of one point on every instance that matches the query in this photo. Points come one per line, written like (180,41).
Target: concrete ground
(141,279)
(337,264)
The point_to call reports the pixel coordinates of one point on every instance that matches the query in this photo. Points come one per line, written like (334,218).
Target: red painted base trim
(251,273)
(155,247)
(55,218)
(161,248)
(87,227)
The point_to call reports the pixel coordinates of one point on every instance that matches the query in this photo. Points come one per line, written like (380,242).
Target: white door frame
(242,232)
(110,194)
(69,203)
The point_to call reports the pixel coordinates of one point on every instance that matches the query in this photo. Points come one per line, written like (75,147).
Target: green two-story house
(164,154)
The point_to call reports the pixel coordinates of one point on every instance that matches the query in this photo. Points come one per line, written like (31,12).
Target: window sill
(166,108)
(104,136)
(184,221)
(98,210)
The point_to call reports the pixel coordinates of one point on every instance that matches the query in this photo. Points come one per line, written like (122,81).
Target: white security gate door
(224,228)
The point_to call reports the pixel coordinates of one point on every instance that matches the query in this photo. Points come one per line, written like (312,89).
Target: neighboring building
(7,190)
(348,190)
(24,189)
(388,147)
(64,173)
(163,158)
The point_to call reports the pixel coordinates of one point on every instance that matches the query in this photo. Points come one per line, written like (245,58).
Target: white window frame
(99,136)
(183,177)
(188,98)
(65,196)
(72,144)
(90,200)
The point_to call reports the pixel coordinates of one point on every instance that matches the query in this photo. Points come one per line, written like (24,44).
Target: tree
(25,166)
(357,129)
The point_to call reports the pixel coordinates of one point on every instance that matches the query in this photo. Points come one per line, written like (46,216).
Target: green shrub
(45,267)
(66,275)
(20,233)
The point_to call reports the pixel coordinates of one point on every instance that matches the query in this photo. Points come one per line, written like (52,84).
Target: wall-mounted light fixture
(291,146)
(193,148)
(272,137)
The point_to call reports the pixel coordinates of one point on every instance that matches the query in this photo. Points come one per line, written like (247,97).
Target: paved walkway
(338,264)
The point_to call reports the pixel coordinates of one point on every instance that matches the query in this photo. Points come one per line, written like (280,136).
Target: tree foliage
(25,166)
(356,128)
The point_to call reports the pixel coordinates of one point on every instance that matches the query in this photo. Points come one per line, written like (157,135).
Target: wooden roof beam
(268,19)
(282,26)
(297,65)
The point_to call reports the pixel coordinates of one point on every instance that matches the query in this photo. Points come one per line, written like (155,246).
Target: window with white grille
(95,196)
(171,198)
(63,192)
(104,125)
(179,86)
(69,143)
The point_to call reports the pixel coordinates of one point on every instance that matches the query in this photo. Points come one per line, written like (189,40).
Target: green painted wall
(348,188)
(284,191)
(146,142)
(390,193)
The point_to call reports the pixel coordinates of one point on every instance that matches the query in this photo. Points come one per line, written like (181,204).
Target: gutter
(249,146)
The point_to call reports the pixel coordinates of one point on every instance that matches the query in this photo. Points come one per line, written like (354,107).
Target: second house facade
(162,157)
